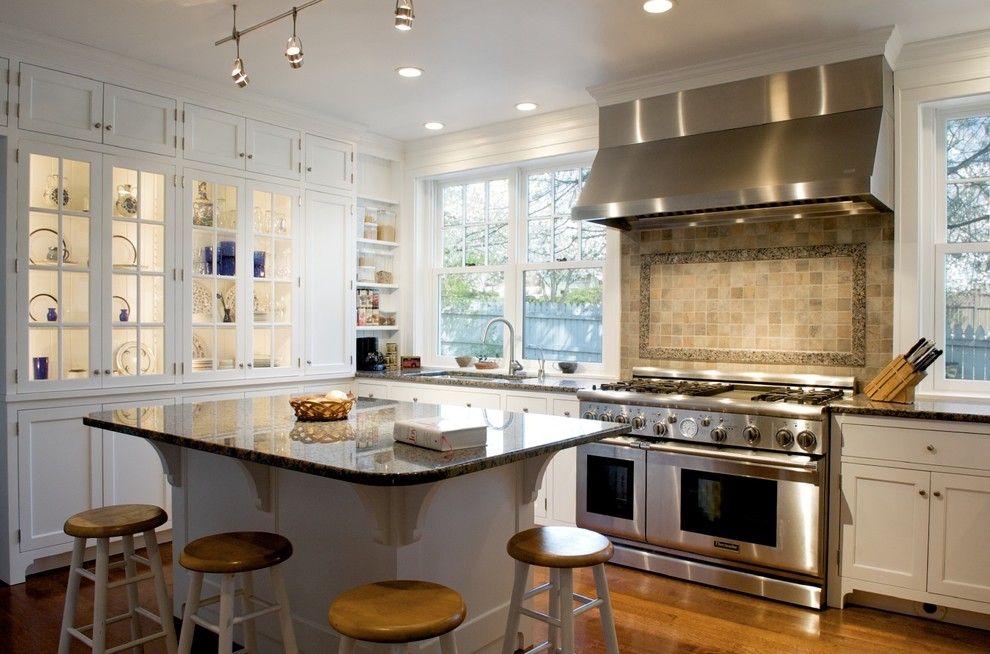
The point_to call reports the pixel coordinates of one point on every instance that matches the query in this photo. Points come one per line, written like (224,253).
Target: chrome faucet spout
(514,366)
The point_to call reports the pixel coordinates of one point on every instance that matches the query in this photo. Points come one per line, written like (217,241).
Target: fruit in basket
(337,396)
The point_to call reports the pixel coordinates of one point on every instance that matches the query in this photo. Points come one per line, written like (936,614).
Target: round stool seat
(560,547)
(397,611)
(119,520)
(235,551)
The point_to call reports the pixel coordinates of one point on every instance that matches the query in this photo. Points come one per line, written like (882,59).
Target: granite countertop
(976,410)
(359,449)
(550,384)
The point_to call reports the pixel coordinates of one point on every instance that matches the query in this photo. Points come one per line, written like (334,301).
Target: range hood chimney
(807,143)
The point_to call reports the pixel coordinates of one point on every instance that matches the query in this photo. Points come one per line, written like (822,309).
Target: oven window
(611,484)
(736,508)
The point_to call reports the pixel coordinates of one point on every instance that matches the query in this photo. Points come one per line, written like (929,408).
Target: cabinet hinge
(352,178)
(175,113)
(175,141)
(175,368)
(299,200)
(183,115)
(299,282)
(299,166)
(350,359)
(299,362)
(17,155)
(175,180)
(352,156)
(18,535)
(6,108)
(182,366)
(18,112)
(16,376)
(300,144)
(352,284)
(17,265)
(18,78)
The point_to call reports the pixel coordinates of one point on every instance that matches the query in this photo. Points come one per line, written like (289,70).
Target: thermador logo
(724,545)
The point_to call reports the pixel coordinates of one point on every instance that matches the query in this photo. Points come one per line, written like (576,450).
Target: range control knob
(606,417)
(807,440)
(752,434)
(719,435)
(622,419)
(671,418)
(638,422)
(590,415)
(706,421)
(660,429)
(784,437)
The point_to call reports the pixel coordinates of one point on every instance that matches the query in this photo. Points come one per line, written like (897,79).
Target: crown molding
(380,146)
(945,50)
(79,59)
(765,62)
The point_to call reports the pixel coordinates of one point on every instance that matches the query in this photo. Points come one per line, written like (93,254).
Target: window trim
(518,264)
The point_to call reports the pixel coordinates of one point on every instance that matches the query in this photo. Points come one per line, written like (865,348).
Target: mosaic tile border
(856,357)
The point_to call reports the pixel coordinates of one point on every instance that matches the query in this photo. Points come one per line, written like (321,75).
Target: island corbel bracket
(171,457)
(533,471)
(397,510)
(259,476)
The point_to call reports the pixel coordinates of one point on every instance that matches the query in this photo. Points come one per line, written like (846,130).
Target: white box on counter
(440,433)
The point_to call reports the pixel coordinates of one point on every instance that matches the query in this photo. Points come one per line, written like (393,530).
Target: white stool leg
(448,644)
(71,595)
(605,610)
(247,605)
(554,609)
(130,570)
(346,645)
(398,648)
(567,611)
(161,591)
(512,623)
(226,620)
(192,605)
(284,612)
(100,596)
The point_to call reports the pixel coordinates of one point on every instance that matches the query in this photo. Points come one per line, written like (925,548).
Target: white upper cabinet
(78,107)
(329,163)
(4,86)
(141,121)
(214,136)
(329,302)
(59,103)
(377,179)
(224,139)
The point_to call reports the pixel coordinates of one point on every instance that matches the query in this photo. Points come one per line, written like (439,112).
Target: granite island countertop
(549,384)
(359,449)
(975,410)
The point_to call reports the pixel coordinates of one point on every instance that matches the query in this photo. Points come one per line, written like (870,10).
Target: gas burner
(668,387)
(815,396)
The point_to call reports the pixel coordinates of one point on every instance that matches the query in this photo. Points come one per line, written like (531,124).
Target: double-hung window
(962,246)
(505,246)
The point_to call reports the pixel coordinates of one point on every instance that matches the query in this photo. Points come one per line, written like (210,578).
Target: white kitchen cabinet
(329,163)
(329,311)
(225,139)
(54,102)
(138,120)
(556,501)
(449,395)
(377,179)
(374,391)
(915,496)
(59,472)
(4,90)
(525,403)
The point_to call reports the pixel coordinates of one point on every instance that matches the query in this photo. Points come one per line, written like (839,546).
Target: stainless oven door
(611,489)
(763,508)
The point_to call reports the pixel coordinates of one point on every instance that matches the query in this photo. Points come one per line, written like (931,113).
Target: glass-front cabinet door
(58,263)
(274,280)
(137,294)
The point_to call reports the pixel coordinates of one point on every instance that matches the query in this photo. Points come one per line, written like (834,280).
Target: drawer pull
(930,448)
(371,395)
(937,493)
(525,410)
(567,414)
(469,405)
(923,493)
(415,399)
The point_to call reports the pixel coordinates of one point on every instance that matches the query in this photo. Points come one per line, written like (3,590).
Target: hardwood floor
(654,615)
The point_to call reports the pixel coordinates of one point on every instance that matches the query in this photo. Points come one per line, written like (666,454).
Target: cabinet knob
(923,493)
(309,169)
(250,156)
(240,365)
(937,493)
(525,410)
(930,448)
(106,372)
(96,372)
(371,395)
(469,405)
(250,365)
(308,362)
(415,399)
(240,154)
(567,414)
(98,125)
(109,128)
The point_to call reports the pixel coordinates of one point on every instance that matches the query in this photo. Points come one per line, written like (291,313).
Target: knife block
(895,383)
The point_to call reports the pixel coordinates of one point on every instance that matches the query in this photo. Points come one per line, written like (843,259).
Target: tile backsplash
(812,295)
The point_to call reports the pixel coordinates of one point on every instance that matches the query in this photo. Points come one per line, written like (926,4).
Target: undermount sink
(468,374)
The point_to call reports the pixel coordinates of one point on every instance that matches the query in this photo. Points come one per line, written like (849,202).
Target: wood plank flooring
(654,615)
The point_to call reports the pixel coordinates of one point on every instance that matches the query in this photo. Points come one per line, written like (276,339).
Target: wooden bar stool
(561,549)
(122,521)
(397,612)
(230,554)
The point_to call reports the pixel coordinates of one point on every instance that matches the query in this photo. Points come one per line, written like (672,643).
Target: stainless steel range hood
(811,142)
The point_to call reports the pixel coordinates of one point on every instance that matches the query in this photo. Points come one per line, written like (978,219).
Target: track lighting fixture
(293,49)
(404,15)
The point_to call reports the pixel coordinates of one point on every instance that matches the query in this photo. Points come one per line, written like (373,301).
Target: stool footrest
(538,615)
(542,647)
(533,592)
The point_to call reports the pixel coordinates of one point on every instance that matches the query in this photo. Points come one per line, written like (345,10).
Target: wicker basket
(318,407)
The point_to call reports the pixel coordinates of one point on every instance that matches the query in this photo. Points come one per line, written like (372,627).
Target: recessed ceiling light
(433,125)
(658,6)
(526,106)
(409,71)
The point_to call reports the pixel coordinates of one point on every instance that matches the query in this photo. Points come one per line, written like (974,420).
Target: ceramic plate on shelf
(43,247)
(128,355)
(123,253)
(202,302)
(39,305)
(118,304)
(199,350)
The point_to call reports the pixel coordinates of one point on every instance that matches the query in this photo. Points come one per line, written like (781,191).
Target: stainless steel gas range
(723,478)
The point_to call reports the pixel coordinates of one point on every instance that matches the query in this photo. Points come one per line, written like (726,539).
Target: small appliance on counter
(368,356)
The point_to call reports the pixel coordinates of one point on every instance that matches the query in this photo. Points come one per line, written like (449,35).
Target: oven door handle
(791,462)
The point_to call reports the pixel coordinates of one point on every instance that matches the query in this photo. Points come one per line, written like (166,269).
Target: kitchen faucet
(514,366)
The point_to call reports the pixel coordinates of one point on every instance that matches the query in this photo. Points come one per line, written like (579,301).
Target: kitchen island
(357,506)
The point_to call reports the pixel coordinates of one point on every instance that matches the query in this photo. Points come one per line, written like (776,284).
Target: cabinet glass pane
(271,268)
(75,353)
(215,253)
(137,254)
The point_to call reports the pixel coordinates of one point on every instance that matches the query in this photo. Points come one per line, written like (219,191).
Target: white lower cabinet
(913,524)
(374,391)
(431,394)
(132,471)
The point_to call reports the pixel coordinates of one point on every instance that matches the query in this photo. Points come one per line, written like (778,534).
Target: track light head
(239,74)
(294,52)
(404,15)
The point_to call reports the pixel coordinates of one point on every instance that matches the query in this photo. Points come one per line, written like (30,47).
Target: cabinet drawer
(364,389)
(525,404)
(896,442)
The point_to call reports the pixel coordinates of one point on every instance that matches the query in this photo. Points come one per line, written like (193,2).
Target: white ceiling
(480,56)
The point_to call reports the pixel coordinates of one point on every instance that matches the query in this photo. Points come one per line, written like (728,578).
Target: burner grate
(816,396)
(668,387)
